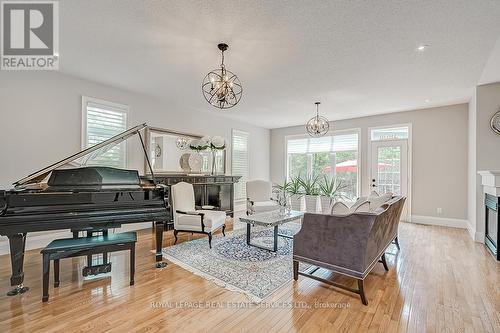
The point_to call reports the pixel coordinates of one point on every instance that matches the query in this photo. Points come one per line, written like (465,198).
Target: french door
(389,170)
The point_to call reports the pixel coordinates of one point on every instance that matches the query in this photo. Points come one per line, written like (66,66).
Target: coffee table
(270,219)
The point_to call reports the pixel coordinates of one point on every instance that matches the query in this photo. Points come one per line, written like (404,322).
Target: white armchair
(259,193)
(187,218)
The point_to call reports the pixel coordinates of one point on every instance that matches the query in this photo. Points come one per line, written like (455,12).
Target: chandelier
(317,126)
(221,87)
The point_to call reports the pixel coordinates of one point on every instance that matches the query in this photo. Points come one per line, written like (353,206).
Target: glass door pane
(389,170)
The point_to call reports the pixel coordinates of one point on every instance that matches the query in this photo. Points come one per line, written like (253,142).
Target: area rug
(234,265)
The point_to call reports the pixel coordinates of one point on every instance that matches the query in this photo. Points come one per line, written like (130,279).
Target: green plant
(331,187)
(281,191)
(295,185)
(310,184)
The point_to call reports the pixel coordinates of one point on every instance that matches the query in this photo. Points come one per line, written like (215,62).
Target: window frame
(122,107)
(330,133)
(247,134)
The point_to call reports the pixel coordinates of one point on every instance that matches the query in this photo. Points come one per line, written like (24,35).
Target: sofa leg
(295,270)
(361,290)
(396,241)
(175,235)
(223,230)
(210,240)
(384,262)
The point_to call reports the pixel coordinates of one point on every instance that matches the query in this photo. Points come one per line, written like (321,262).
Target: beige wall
(484,147)
(439,173)
(41,121)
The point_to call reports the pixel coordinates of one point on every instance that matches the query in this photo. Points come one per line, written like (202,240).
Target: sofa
(350,244)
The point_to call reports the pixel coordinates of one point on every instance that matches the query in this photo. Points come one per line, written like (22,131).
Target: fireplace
(491,186)
(492,223)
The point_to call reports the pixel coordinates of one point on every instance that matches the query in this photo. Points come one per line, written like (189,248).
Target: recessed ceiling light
(422,47)
(427,100)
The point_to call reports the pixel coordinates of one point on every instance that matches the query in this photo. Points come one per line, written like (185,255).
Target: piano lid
(83,157)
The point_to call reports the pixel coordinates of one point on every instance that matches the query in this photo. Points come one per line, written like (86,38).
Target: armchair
(347,244)
(259,193)
(187,218)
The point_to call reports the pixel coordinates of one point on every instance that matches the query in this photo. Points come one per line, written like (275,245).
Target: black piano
(78,194)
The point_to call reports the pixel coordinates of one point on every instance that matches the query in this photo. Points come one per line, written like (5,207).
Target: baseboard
(440,221)
(38,240)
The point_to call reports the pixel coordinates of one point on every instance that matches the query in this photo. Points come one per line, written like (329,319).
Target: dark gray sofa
(347,244)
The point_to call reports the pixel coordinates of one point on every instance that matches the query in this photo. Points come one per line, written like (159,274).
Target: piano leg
(159,226)
(17,245)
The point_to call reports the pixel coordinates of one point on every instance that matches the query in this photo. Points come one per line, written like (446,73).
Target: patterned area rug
(234,265)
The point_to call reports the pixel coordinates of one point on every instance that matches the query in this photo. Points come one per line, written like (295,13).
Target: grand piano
(78,194)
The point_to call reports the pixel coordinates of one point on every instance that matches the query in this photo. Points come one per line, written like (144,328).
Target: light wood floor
(440,281)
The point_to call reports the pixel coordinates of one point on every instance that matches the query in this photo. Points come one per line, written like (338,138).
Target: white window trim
(123,107)
(240,132)
(410,160)
(356,130)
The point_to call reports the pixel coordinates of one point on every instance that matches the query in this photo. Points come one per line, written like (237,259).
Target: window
(335,156)
(389,133)
(240,162)
(102,120)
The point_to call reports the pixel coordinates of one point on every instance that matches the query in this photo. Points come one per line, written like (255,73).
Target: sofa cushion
(340,208)
(376,202)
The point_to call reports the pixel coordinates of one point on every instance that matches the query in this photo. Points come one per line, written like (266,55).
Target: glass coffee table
(270,219)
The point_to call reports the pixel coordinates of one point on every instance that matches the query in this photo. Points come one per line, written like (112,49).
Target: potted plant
(330,188)
(282,196)
(310,187)
(195,160)
(295,193)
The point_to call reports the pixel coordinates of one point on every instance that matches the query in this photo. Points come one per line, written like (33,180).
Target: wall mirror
(169,153)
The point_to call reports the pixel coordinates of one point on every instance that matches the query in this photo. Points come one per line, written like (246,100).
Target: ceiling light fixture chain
(317,126)
(222,88)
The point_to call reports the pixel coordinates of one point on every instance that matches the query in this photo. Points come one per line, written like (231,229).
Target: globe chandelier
(317,126)
(221,87)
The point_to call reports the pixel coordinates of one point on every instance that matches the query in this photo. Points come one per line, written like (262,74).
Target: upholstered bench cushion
(88,242)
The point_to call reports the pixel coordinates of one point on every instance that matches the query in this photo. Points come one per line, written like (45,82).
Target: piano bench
(85,246)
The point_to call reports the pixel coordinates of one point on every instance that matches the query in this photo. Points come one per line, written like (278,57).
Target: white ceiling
(357,57)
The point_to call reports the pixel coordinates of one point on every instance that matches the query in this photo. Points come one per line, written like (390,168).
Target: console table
(217,191)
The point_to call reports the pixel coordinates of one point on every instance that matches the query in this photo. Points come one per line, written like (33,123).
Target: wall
(40,123)
(485,144)
(439,158)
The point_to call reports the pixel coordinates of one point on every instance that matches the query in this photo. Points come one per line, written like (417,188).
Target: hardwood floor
(440,281)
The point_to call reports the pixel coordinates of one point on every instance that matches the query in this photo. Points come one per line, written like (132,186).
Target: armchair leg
(295,270)
(384,262)
(210,240)
(175,235)
(361,291)
(223,230)
(396,241)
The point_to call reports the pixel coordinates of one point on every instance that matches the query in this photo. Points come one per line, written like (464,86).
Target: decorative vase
(326,204)
(313,204)
(214,163)
(295,200)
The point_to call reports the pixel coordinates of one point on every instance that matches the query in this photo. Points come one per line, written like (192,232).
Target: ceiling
(355,57)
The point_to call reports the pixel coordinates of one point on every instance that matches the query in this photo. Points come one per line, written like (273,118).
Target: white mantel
(490,179)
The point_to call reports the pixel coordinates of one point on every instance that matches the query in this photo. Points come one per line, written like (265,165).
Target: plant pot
(313,204)
(326,204)
(295,200)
